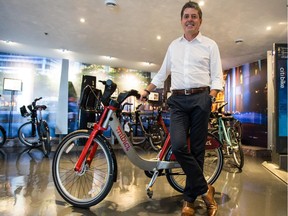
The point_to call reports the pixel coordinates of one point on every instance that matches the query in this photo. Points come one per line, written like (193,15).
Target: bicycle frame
(109,118)
(223,131)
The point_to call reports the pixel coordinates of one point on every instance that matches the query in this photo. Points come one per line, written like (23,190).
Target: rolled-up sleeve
(216,72)
(164,71)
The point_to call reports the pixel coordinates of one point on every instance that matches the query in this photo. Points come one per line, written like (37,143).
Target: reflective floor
(27,188)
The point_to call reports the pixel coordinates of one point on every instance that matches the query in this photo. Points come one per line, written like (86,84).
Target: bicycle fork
(97,128)
(79,165)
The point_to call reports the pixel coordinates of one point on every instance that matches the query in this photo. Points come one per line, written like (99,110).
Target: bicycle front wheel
(237,150)
(27,134)
(93,182)
(45,137)
(3,136)
(213,163)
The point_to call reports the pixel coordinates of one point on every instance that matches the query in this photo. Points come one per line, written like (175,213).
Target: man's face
(190,21)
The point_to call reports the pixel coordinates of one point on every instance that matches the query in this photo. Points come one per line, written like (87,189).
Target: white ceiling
(128,32)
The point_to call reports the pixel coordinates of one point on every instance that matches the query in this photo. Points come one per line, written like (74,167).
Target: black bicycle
(35,132)
(140,134)
(3,135)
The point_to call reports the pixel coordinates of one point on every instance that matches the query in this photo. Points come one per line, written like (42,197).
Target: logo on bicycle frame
(123,138)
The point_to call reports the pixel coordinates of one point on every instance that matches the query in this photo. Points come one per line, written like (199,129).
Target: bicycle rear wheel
(3,136)
(45,137)
(28,135)
(213,163)
(237,150)
(90,185)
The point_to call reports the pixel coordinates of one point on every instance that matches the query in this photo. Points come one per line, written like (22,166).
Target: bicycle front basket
(90,99)
(24,112)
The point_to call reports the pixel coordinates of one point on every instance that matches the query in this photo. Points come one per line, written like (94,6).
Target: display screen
(12,84)
(281,57)
(154,96)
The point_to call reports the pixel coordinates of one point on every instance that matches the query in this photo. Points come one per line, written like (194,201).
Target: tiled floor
(27,189)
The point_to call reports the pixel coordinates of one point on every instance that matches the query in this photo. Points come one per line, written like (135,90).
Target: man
(194,63)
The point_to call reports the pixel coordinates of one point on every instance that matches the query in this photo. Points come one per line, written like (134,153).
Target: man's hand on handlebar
(144,95)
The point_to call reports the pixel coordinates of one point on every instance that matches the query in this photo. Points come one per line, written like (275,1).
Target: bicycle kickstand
(149,189)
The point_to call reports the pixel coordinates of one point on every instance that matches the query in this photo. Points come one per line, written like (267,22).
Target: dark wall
(246,93)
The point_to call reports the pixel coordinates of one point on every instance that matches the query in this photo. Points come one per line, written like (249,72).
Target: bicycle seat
(41,107)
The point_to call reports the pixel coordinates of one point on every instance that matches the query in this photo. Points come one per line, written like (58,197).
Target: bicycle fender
(212,142)
(76,131)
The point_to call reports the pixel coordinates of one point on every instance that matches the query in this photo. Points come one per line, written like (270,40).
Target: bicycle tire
(45,137)
(213,164)
(156,139)
(90,186)
(238,128)
(3,136)
(25,135)
(237,150)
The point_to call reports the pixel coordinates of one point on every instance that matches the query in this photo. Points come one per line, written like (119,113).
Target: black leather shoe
(210,202)
(188,209)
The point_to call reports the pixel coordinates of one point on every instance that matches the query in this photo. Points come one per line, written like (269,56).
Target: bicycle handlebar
(220,108)
(110,88)
(35,100)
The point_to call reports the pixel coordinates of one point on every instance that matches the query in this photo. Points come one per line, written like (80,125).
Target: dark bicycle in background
(35,133)
(3,135)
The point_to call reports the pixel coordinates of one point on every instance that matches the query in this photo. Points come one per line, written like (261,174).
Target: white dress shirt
(192,64)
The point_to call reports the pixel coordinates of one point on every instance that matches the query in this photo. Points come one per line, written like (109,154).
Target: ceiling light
(111,3)
(201,3)
(239,41)
(82,20)
(109,57)
(8,42)
(158,37)
(147,63)
(64,50)
(268,28)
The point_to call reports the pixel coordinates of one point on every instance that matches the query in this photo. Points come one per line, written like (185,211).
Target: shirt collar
(199,37)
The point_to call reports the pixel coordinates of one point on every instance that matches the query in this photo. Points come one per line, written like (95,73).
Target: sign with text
(281,57)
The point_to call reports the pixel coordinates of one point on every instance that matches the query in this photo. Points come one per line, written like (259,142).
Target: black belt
(189,91)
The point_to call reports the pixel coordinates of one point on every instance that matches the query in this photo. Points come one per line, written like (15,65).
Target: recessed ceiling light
(64,50)
(9,42)
(201,3)
(82,20)
(158,37)
(239,41)
(110,3)
(109,57)
(268,28)
(147,63)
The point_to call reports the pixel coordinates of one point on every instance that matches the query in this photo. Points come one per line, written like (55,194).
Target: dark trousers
(190,114)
